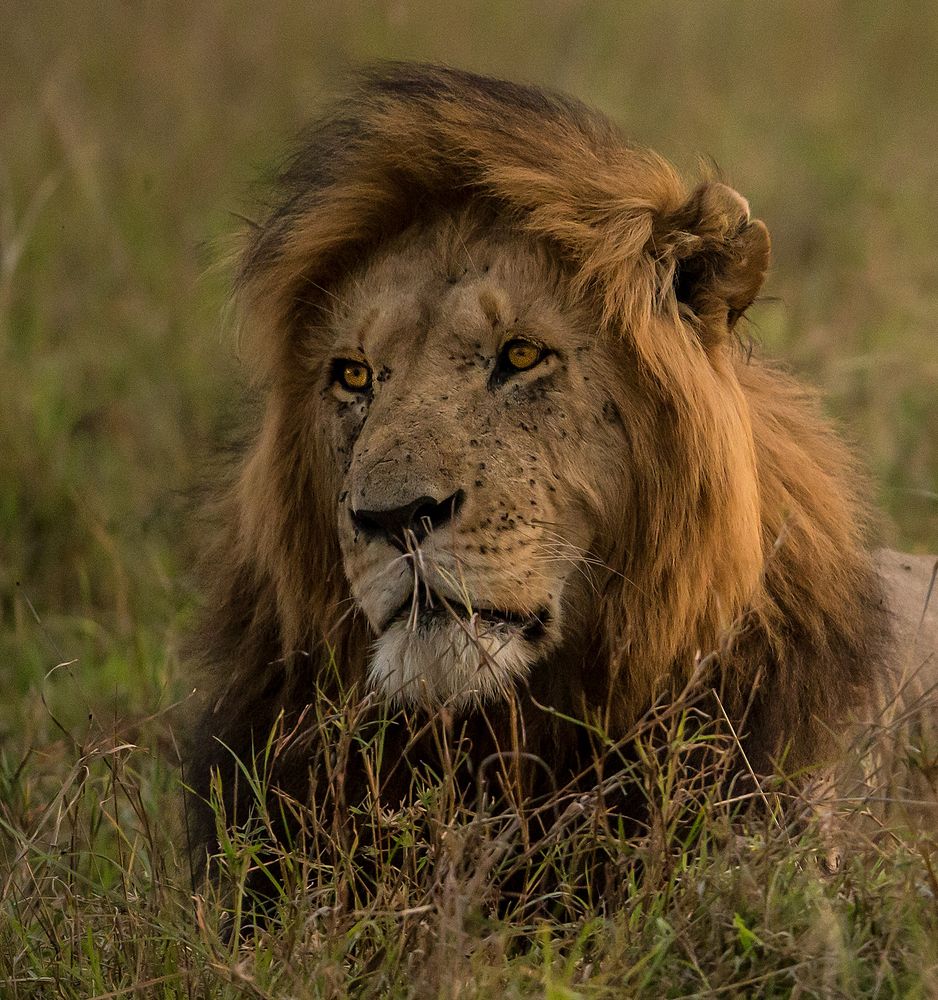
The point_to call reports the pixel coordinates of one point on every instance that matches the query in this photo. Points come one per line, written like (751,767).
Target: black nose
(421,516)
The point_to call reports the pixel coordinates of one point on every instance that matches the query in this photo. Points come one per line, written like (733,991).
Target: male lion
(514,469)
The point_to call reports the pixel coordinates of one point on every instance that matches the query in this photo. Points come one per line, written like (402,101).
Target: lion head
(486,436)
(509,440)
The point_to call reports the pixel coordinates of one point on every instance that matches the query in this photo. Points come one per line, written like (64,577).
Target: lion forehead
(449,283)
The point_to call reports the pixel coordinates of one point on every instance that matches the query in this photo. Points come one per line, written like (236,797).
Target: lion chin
(445,660)
(440,646)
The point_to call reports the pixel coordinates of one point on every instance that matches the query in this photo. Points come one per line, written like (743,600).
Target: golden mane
(747,537)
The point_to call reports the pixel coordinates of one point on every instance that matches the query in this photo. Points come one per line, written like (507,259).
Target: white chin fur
(447,662)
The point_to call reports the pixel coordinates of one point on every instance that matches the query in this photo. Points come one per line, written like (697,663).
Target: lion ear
(720,257)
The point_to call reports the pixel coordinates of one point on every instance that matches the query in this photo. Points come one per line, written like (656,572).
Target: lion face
(469,408)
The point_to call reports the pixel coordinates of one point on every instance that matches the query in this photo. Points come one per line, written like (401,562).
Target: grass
(96,902)
(128,140)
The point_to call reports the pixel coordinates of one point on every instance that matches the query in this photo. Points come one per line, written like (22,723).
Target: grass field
(130,135)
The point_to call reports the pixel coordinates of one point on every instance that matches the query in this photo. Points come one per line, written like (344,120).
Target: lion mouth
(436,610)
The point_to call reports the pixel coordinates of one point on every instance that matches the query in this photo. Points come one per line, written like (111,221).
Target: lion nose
(421,516)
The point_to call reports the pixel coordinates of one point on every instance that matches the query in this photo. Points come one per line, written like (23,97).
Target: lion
(515,465)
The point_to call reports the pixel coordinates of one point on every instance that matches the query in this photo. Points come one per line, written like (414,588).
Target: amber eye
(352,375)
(521,354)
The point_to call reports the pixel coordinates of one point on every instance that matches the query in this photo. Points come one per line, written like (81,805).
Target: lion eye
(521,354)
(352,375)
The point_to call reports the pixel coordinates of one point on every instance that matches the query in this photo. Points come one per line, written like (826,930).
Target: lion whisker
(592,557)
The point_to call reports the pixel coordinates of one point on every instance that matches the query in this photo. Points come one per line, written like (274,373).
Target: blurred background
(130,136)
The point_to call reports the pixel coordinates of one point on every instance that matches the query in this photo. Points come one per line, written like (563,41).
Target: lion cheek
(377,588)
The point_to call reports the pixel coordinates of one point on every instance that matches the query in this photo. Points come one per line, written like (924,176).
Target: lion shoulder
(911,591)
(898,746)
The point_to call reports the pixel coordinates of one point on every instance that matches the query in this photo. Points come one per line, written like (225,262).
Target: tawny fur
(746,535)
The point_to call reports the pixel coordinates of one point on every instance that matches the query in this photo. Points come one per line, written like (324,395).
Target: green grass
(129,136)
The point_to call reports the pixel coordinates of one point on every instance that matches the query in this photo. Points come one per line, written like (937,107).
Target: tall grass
(454,890)
(129,136)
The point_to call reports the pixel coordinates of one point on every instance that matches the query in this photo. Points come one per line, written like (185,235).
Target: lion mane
(744,541)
